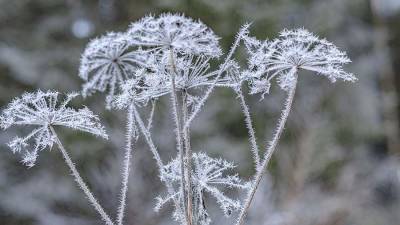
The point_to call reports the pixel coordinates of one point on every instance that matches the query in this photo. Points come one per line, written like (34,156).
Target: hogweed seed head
(176,31)
(107,62)
(42,110)
(293,50)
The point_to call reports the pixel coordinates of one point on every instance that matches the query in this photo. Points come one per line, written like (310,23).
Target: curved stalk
(250,129)
(130,133)
(82,185)
(270,150)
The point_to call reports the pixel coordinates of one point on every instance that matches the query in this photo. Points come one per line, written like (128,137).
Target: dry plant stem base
(188,152)
(270,150)
(178,131)
(130,134)
(82,185)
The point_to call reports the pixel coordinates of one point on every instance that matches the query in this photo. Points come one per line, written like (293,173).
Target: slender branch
(188,152)
(270,150)
(250,129)
(243,31)
(178,130)
(130,133)
(82,185)
(148,138)
(156,155)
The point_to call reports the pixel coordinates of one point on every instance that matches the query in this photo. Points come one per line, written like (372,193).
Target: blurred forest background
(338,162)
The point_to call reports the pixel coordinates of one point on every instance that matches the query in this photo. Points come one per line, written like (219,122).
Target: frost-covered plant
(174,31)
(107,62)
(208,176)
(43,110)
(172,55)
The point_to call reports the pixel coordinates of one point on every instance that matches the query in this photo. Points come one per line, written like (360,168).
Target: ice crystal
(107,62)
(292,50)
(208,176)
(175,31)
(42,110)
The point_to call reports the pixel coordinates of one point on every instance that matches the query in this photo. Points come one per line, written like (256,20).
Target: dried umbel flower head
(192,72)
(42,110)
(293,50)
(175,31)
(208,176)
(107,62)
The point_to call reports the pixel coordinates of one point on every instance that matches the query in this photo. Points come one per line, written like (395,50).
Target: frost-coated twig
(243,31)
(156,155)
(147,136)
(82,185)
(130,135)
(270,150)
(150,119)
(188,152)
(250,129)
(178,130)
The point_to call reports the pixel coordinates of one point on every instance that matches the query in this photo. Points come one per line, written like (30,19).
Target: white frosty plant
(208,176)
(42,111)
(172,55)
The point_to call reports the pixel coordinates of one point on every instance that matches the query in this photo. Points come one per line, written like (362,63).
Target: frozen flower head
(192,72)
(209,175)
(41,110)
(293,50)
(174,31)
(107,62)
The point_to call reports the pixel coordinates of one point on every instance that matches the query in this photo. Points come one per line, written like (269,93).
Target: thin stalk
(243,31)
(250,129)
(82,185)
(188,152)
(178,130)
(270,150)
(130,133)
(156,155)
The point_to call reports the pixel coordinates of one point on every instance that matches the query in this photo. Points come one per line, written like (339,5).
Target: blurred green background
(337,163)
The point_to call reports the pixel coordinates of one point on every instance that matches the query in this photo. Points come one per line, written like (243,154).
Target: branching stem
(221,70)
(156,155)
(270,150)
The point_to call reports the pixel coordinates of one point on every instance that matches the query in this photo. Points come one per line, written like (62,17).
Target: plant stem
(82,185)
(250,129)
(178,130)
(130,133)
(234,46)
(188,152)
(270,150)
(156,155)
